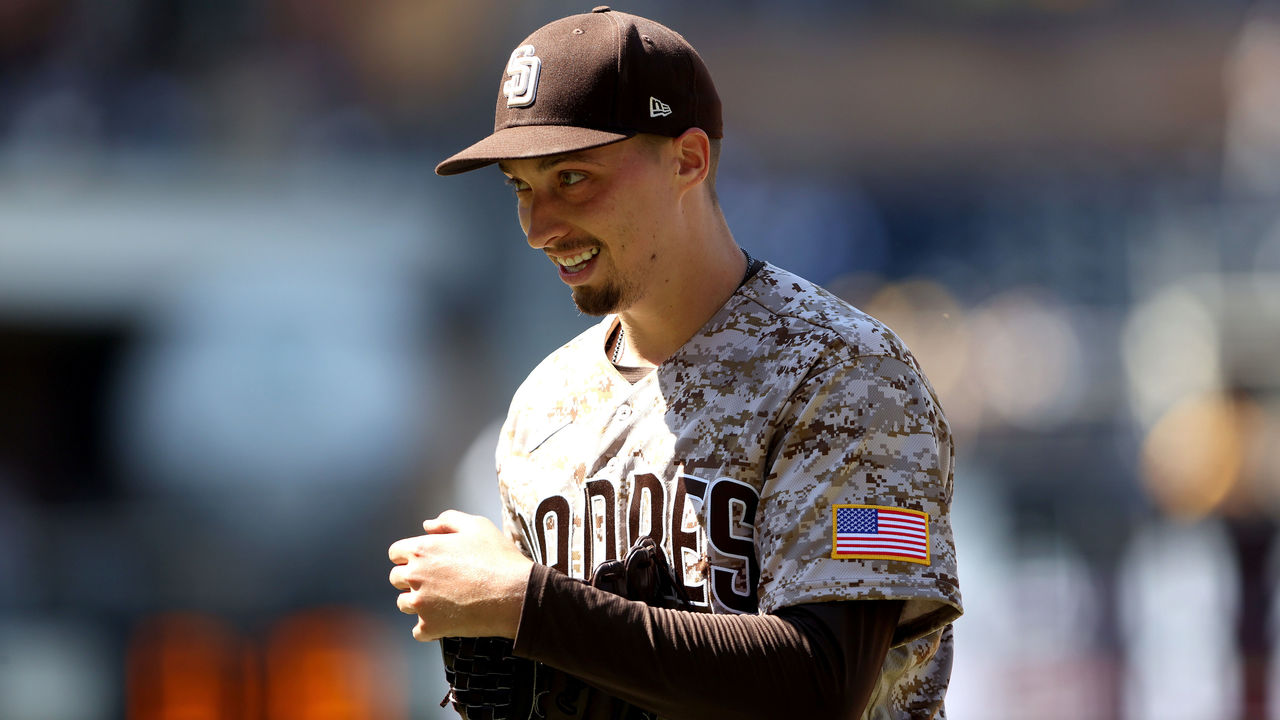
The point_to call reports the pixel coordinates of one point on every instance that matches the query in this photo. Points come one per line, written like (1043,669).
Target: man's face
(598,216)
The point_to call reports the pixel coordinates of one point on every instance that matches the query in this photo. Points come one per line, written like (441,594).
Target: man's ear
(693,155)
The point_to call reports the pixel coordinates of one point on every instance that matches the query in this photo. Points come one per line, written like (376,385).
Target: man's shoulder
(579,357)
(578,348)
(799,307)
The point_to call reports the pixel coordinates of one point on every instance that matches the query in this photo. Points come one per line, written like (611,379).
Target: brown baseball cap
(593,79)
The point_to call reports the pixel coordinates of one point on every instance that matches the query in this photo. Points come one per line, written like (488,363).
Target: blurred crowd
(247,340)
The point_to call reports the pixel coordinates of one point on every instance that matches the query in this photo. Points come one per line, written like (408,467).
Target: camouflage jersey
(771,457)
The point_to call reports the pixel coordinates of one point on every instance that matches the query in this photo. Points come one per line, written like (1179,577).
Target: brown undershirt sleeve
(815,660)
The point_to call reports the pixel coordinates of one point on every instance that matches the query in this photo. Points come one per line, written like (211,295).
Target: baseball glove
(487,682)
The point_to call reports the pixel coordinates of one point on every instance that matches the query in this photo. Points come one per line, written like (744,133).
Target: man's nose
(543,222)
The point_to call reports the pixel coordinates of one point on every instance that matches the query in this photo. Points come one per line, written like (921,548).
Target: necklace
(617,345)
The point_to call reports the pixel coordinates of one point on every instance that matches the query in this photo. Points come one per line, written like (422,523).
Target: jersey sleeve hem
(923,613)
(526,638)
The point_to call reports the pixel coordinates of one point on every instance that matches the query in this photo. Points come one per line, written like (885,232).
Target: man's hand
(464,578)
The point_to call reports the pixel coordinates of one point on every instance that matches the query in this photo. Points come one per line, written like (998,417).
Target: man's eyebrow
(551,161)
(547,163)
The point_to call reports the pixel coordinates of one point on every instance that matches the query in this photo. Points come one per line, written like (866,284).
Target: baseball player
(782,449)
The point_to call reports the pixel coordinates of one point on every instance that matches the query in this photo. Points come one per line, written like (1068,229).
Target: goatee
(597,301)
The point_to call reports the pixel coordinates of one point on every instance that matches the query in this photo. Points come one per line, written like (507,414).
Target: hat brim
(528,141)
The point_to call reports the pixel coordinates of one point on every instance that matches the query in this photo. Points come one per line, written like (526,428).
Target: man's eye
(517,184)
(571,177)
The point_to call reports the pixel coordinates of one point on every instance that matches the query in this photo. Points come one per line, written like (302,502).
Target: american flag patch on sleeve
(874,532)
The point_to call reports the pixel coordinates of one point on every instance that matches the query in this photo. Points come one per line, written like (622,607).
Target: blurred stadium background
(247,339)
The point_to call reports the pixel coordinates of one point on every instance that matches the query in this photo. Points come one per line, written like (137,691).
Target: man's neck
(692,292)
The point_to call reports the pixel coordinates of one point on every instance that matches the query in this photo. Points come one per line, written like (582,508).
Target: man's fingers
(449,521)
(399,552)
(436,572)
(397,578)
(420,632)
(402,551)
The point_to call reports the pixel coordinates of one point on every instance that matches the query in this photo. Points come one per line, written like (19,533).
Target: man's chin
(596,301)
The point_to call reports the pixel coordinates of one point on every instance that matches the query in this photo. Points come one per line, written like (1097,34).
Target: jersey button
(623,413)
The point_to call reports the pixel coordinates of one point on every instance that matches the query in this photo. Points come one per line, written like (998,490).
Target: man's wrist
(538,576)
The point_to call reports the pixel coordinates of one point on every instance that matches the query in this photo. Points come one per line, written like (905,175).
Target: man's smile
(575,263)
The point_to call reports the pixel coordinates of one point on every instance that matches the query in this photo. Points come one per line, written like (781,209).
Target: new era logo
(657,108)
